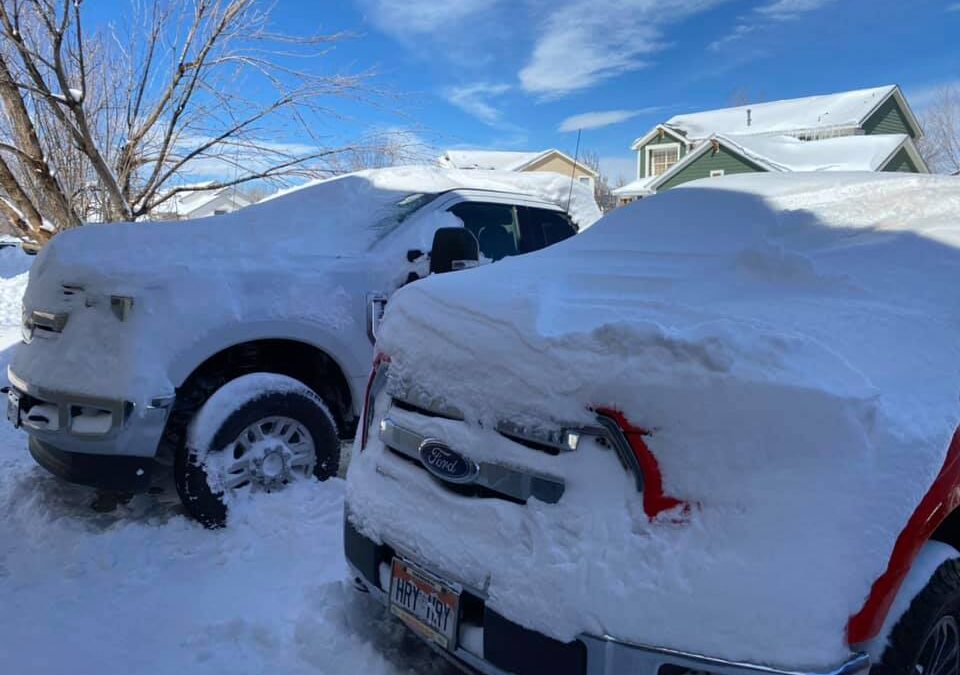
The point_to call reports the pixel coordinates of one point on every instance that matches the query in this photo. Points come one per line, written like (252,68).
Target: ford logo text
(446,464)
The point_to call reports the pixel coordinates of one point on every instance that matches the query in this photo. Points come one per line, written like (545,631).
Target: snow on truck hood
(792,343)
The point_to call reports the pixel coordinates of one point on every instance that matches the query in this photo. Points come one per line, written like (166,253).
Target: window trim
(648,151)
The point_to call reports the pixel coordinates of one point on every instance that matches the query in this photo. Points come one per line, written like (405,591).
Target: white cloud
(766,14)
(474,99)
(595,120)
(784,10)
(585,43)
(739,32)
(407,17)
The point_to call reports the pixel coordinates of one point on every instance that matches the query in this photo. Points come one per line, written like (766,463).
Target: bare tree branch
(940,145)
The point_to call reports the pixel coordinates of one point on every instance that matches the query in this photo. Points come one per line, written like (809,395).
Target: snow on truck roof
(792,342)
(341,216)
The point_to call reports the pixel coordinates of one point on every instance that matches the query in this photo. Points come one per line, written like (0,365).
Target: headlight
(376,383)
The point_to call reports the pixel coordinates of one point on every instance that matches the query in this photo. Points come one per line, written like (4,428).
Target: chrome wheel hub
(940,654)
(269,454)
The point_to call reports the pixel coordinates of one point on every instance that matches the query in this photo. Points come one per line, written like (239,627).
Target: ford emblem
(446,464)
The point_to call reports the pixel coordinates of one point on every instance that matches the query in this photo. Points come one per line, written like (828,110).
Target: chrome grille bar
(518,484)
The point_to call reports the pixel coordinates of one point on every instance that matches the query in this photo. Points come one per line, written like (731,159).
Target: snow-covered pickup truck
(716,432)
(235,349)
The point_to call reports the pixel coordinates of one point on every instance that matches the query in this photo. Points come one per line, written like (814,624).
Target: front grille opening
(528,443)
(409,407)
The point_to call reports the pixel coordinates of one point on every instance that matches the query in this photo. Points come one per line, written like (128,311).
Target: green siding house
(862,130)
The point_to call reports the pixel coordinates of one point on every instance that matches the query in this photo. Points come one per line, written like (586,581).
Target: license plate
(13,408)
(426,604)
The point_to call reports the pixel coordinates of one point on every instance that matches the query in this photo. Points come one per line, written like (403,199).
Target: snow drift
(791,341)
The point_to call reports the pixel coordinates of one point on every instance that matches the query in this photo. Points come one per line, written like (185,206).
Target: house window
(661,157)
(716,173)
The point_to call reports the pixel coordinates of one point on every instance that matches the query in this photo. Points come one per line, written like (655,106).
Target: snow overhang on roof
(843,110)
(844,153)
(788,154)
(637,188)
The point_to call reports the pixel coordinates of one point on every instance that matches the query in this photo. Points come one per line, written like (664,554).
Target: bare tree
(381,150)
(108,125)
(602,191)
(940,145)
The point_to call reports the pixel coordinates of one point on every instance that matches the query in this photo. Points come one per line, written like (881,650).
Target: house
(547,160)
(862,130)
(200,204)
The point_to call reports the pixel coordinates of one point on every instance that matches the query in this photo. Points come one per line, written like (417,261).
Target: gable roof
(843,153)
(786,153)
(185,203)
(500,160)
(646,138)
(829,111)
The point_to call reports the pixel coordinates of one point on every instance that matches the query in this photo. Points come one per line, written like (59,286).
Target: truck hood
(790,345)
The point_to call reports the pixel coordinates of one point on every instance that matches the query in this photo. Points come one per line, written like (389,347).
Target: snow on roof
(636,188)
(796,336)
(844,109)
(502,160)
(844,153)
(495,160)
(184,203)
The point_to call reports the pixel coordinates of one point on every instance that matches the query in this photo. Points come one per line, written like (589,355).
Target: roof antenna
(749,117)
(573,173)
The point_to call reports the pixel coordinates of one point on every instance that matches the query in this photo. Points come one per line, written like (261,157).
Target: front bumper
(104,443)
(115,473)
(508,648)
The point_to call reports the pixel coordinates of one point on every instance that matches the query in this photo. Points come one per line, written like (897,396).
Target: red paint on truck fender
(655,501)
(941,499)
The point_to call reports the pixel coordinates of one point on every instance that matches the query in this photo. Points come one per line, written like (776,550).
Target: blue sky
(508,74)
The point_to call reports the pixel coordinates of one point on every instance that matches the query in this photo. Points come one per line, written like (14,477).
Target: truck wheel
(257,433)
(926,639)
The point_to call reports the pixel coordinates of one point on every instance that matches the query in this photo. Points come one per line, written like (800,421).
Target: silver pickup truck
(236,349)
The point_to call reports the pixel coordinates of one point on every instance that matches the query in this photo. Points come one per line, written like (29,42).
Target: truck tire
(256,433)
(926,639)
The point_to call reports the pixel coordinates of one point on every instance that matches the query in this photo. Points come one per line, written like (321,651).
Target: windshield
(402,210)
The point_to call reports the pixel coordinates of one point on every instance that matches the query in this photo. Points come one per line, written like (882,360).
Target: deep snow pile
(790,340)
(146,590)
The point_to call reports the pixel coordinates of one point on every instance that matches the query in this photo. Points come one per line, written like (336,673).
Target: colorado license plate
(427,605)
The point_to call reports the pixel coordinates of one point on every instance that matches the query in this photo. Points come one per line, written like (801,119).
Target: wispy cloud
(476,100)
(408,18)
(785,10)
(584,43)
(596,120)
(955,7)
(775,11)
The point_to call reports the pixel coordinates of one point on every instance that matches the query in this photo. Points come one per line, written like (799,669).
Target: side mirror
(454,248)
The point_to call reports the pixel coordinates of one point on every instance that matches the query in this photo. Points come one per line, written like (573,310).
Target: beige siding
(558,164)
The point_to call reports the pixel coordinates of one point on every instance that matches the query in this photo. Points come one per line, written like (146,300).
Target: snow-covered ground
(145,590)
